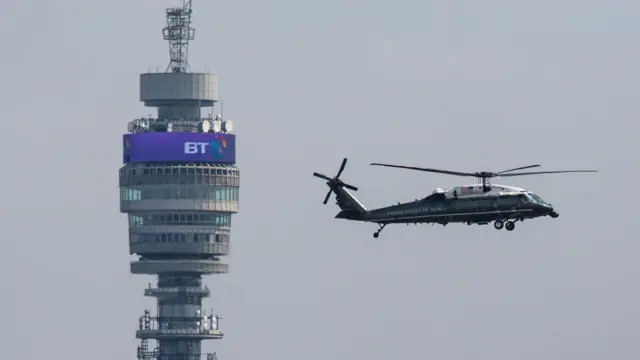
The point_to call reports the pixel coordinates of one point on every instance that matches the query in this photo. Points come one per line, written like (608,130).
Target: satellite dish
(217,126)
(130,126)
(169,127)
(227,126)
(205,126)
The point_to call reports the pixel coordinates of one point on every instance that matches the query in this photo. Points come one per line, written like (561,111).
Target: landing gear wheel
(498,224)
(377,233)
(510,225)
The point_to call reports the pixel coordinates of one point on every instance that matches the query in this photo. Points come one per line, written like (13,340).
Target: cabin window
(508,200)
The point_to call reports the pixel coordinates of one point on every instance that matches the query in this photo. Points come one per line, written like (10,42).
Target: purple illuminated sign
(180,147)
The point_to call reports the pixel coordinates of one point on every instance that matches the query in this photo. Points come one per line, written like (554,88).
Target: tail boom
(348,203)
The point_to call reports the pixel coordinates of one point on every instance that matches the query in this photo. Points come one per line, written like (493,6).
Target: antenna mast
(178,32)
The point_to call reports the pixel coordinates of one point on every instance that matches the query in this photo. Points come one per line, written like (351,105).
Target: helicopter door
(483,205)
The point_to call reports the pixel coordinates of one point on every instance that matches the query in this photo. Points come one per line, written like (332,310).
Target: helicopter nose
(545,209)
(550,211)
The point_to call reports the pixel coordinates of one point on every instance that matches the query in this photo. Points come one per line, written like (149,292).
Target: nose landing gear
(498,224)
(509,225)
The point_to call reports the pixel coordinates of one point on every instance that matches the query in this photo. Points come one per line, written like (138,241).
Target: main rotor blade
(518,168)
(547,172)
(447,172)
(349,186)
(344,163)
(321,176)
(327,197)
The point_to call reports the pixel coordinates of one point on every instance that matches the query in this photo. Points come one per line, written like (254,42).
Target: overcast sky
(466,85)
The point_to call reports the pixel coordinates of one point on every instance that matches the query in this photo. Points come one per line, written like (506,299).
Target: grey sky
(468,85)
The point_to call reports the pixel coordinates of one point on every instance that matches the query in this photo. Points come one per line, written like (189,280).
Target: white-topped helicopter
(479,204)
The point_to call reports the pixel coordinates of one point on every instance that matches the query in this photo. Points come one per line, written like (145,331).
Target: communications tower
(179,187)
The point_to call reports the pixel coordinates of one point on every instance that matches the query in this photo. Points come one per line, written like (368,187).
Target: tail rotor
(335,181)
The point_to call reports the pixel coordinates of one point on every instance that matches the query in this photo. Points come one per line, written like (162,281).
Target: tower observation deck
(179,187)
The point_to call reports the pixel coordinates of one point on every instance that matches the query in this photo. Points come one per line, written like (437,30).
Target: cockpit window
(536,198)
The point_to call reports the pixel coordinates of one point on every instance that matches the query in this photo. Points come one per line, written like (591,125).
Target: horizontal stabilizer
(349,214)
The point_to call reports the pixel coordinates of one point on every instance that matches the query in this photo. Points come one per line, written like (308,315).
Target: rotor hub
(335,181)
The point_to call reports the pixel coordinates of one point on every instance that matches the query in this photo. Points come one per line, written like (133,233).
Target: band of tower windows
(156,174)
(203,218)
(168,192)
(179,238)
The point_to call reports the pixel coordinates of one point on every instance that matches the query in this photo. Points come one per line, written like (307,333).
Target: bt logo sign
(215,148)
(195,147)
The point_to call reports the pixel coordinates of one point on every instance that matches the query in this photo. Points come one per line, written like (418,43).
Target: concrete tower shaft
(179,227)
(179,187)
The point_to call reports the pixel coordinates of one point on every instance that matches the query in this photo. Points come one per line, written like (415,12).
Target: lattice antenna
(178,32)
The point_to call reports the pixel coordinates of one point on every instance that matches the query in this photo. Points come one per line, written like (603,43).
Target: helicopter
(479,203)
